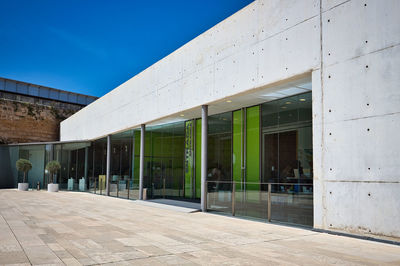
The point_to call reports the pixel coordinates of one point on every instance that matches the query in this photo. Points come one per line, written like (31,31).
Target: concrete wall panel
(356,119)
(359,27)
(363,87)
(329,4)
(276,16)
(236,72)
(350,206)
(365,149)
(290,53)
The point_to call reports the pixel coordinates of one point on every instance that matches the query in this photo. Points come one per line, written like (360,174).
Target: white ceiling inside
(254,97)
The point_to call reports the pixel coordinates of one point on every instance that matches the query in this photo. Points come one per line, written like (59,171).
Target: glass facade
(220,147)
(36,155)
(97,181)
(75,167)
(121,163)
(164,161)
(259,162)
(271,162)
(288,156)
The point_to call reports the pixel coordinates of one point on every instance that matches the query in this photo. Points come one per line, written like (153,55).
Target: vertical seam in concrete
(322,184)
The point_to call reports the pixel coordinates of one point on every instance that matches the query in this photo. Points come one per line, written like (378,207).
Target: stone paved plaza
(80,228)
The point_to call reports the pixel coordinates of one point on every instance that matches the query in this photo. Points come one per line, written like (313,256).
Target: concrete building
(286,111)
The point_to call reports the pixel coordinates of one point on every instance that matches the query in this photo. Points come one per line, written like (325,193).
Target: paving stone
(91,230)
(147,261)
(71,261)
(13,257)
(174,260)
(63,254)
(152,250)
(10,247)
(105,257)
(41,255)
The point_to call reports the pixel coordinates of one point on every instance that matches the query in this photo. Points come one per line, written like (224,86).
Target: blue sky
(92,46)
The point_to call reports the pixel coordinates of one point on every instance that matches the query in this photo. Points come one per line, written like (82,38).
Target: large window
(287,157)
(75,164)
(164,160)
(121,163)
(36,155)
(97,181)
(287,140)
(268,150)
(220,147)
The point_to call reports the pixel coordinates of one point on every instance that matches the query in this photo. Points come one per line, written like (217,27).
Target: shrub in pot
(24,166)
(52,167)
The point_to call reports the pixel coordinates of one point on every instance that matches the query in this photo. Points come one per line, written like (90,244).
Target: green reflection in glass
(198,158)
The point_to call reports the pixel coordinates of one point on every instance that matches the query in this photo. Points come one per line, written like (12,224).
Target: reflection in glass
(287,157)
(220,147)
(97,181)
(36,155)
(121,163)
(164,160)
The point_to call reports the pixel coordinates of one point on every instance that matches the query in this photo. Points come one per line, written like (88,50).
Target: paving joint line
(17,239)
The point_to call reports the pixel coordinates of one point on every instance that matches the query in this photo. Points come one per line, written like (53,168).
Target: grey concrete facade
(351,51)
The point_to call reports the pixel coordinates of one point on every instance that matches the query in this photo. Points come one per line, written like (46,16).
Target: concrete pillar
(204,153)
(141,166)
(108,169)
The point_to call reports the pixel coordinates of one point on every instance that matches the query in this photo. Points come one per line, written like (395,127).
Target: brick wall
(29,120)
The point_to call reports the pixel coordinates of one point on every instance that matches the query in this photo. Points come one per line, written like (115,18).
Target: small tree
(53,167)
(23,165)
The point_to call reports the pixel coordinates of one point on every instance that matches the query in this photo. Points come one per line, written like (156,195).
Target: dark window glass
(220,147)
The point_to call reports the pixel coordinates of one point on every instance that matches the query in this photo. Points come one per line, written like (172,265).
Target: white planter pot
(52,187)
(23,186)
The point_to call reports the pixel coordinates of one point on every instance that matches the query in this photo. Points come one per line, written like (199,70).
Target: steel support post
(108,165)
(204,158)
(141,166)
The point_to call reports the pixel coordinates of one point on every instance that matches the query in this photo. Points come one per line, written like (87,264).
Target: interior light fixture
(182,115)
(302,100)
(283,107)
(228,101)
(288,102)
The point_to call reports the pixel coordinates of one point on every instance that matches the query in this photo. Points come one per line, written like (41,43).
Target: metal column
(269,202)
(86,167)
(86,162)
(204,153)
(108,165)
(141,166)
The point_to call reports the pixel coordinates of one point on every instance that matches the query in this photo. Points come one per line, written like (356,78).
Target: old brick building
(32,113)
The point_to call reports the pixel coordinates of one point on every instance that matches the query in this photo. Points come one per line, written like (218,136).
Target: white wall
(263,43)
(357,118)
(356,170)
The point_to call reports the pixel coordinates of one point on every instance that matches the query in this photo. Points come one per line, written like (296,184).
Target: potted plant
(52,167)
(24,166)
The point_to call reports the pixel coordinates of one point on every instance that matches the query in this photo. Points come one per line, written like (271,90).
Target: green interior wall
(237,146)
(198,158)
(136,158)
(164,157)
(253,147)
(189,159)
